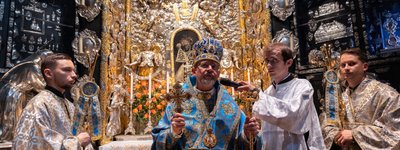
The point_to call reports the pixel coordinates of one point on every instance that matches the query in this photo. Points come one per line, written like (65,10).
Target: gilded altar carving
(129,25)
(88,9)
(282,8)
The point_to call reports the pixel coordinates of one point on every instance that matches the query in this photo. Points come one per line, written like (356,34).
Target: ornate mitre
(208,49)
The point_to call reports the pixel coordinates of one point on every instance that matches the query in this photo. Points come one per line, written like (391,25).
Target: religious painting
(182,55)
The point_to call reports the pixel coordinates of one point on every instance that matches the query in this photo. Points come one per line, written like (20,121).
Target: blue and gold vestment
(226,119)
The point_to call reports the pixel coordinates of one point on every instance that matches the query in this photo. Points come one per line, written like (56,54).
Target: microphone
(227,82)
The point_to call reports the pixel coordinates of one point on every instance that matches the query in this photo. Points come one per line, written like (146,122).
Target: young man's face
(63,74)
(207,72)
(277,67)
(352,68)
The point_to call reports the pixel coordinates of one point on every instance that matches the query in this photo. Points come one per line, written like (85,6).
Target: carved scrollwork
(282,8)
(332,31)
(287,37)
(88,9)
(86,46)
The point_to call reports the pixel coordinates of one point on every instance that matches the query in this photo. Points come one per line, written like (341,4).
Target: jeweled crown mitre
(208,49)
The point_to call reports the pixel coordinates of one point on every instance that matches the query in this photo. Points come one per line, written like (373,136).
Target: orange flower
(138,95)
(143,83)
(159,107)
(163,82)
(137,86)
(157,95)
(146,115)
(156,85)
(153,111)
(153,99)
(162,113)
(163,103)
(229,90)
(145,92)
(140,107)
(147,103)
(241,107)
(163,91)
(135,110)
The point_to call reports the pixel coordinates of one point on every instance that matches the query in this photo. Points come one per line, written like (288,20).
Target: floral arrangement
(141,105)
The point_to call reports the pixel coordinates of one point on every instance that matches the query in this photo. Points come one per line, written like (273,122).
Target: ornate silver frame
(287,37)
(282,8)
(88,11)
(91,45)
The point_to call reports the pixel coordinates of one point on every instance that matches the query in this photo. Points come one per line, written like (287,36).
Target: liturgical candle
(167,81)
(80,45)
(248,75)
(233,89)
(150,85)
(131,87)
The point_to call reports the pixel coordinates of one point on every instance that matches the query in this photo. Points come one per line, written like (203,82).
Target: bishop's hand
(177,123)
(84,139)
(251,127)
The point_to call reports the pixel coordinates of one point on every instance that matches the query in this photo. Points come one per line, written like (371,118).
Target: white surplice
(287,112)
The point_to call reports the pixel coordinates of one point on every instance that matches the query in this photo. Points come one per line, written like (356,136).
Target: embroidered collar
(204,95)
(288,78)
(55,91)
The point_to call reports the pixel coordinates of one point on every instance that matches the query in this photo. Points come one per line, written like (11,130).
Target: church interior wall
(28,26)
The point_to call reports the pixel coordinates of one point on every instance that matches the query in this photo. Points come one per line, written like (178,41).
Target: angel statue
(229,60)
(147,59)
(117,103)
(17,87)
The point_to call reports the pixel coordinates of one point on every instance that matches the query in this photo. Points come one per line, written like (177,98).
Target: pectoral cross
(177,96)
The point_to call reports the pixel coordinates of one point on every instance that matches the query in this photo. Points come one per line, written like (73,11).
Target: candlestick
(167,81)
(80,44)
(131,96)
(248,75)
(150,85)
(233,89)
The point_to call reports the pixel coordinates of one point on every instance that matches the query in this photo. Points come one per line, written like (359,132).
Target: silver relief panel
(86,46)
(327,9)
(332,31)
(88,9)
(282,8)
(287,37)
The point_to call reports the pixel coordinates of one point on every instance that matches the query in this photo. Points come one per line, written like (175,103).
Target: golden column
(105,51)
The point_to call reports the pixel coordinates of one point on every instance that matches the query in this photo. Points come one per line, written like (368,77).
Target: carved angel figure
(117,103)
(17,87)
(147,59)
(229,58)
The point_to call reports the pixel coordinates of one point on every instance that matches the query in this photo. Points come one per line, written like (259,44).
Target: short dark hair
(286,52)
(356,51)
(50,61)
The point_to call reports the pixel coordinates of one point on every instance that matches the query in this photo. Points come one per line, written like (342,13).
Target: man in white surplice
(286,108)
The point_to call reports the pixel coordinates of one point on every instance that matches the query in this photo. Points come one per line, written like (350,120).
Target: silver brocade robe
(287,113)
(372,114)
(45,124)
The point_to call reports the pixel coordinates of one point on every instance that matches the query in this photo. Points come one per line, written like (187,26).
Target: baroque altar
(147,47)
